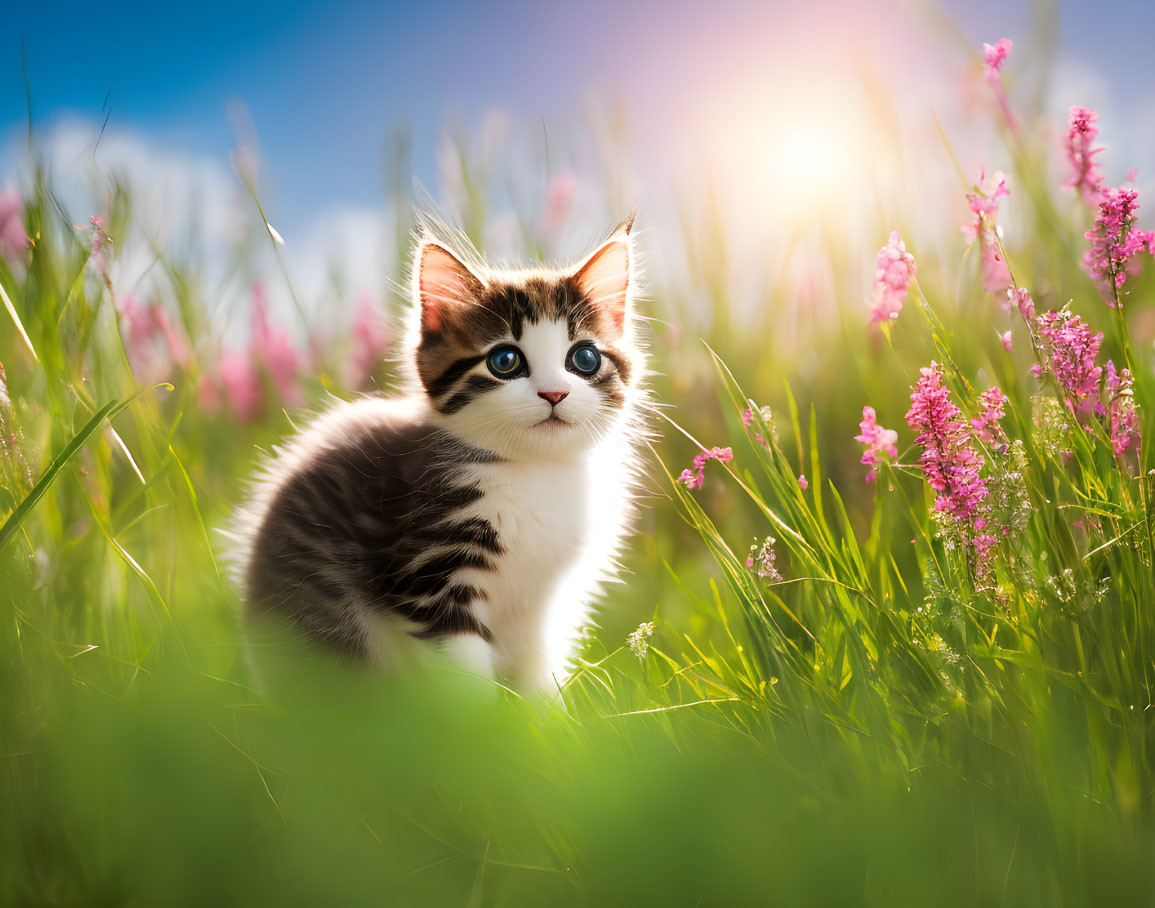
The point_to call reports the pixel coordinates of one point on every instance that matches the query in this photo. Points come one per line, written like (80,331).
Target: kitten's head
(528,364)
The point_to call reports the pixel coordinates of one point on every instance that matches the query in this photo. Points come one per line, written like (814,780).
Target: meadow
(885,637)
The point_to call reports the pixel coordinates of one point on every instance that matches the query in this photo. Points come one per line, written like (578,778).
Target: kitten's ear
(604,277)
(444,283)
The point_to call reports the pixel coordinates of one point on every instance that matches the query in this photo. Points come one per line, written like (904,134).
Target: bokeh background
(768,110)
(222,197)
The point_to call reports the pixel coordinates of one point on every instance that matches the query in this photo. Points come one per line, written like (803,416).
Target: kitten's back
(360,516)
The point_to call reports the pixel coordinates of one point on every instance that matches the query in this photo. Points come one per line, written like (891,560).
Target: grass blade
(44,483)
(16,319)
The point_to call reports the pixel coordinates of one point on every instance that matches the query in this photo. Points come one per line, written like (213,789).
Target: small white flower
(638,640)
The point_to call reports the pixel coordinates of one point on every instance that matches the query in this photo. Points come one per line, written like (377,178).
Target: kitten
(483,509)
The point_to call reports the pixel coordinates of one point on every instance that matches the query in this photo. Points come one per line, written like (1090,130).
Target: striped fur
(480,511)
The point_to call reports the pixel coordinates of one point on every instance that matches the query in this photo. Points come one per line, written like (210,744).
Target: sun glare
(812,153)
(789,165)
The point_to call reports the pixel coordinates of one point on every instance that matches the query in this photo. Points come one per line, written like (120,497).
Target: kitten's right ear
(444,283)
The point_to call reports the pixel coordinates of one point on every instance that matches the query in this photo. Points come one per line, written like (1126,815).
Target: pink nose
(554,397)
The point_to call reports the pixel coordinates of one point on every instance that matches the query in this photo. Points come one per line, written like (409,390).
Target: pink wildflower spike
(559,196)
(991,410)
(370,341)
(272,346)
(1005,337)
(98,222)
(693,478)
(993,59)
(877,440)
(242,385)
(1072,347)
(984,204)
(953,468)
(1124,418)
(1115,240)
(986,200)
(1086,176)
(803,482)
(174,339)
(140,324)
(949,461)
(895,271)
(13,237)
(153,343)
(996,276)
(208,394)
(1021,299)
(100,242)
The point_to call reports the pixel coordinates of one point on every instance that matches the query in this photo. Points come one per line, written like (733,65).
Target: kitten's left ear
(444,283)
(604,277)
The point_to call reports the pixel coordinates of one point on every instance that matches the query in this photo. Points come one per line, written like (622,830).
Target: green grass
(875,729)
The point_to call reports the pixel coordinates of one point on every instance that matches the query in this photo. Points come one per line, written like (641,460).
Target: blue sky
(326,82)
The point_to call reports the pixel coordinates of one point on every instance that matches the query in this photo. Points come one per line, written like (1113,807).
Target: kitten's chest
(541,514)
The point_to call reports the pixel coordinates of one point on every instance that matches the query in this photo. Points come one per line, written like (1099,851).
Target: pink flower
(762,558)
(1090,391)
(1085,174)
(748,418)
(895,271)
(1021,299)
(803,482)
(100,242)
(242,384)
(949,461)
(1115,240)
(953,468)
(693,478)
(991,410)
(98,223)
(1072,348)
(993,58)
(370,341)
(1124,418)
(877,440)
(1005,337)
(174,338)
(154,343)
(984,204)
(559,196)
(270,353)
(13,237)
(996,276)
(140,326)
(272,346)
(986,200)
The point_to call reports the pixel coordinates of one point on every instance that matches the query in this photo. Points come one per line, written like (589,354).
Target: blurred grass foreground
(888,631)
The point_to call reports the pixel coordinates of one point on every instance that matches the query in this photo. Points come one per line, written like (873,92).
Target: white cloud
(194,209)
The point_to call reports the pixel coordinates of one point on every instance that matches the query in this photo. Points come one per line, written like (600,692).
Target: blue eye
(504,362)
(585,359)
